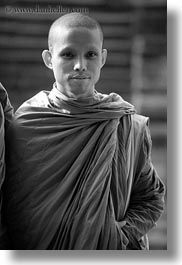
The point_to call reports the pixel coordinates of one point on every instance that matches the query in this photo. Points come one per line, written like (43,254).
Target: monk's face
(77,58)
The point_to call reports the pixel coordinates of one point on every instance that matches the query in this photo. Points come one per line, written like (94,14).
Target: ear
(47,58)
(104,56)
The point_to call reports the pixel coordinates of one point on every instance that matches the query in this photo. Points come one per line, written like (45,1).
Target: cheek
(62,67)
(96,67)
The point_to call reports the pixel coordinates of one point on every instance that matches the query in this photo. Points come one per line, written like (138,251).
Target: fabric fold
(112,103)
(68,181)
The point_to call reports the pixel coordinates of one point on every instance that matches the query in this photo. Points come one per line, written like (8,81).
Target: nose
(80,65)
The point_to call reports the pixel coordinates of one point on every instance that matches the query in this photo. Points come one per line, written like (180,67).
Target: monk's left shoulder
(140,121)
(140,128)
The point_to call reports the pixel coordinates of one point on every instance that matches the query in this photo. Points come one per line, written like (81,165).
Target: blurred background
(135,36)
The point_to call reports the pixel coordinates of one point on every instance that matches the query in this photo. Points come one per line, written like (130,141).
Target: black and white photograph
(83,125)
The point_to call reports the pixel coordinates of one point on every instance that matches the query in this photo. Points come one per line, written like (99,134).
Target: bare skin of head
(75,54)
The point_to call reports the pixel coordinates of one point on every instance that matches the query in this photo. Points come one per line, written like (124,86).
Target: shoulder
(133,128)
(140,121)
(142,133)
(38,100)
(37,103)
(135,122)
(26,112)
(141,129)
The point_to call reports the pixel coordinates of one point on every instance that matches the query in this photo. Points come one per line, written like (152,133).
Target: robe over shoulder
(79,175)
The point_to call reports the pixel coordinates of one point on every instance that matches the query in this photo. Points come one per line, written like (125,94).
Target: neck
(75,94)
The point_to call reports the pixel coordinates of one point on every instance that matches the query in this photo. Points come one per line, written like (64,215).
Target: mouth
(79,77)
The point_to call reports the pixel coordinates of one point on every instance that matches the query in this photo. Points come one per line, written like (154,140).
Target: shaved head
(72,20)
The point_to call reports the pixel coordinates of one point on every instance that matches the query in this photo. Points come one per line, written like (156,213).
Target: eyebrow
(72,48)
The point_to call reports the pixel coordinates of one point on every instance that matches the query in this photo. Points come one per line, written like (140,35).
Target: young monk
(79,172)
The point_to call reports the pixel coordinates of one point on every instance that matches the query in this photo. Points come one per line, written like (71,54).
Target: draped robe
(79,175)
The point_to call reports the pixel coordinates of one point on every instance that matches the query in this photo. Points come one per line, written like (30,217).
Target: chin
(80,87)
(81,91)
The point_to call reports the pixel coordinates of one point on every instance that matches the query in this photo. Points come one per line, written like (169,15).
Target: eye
(67,55)
(91,54)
